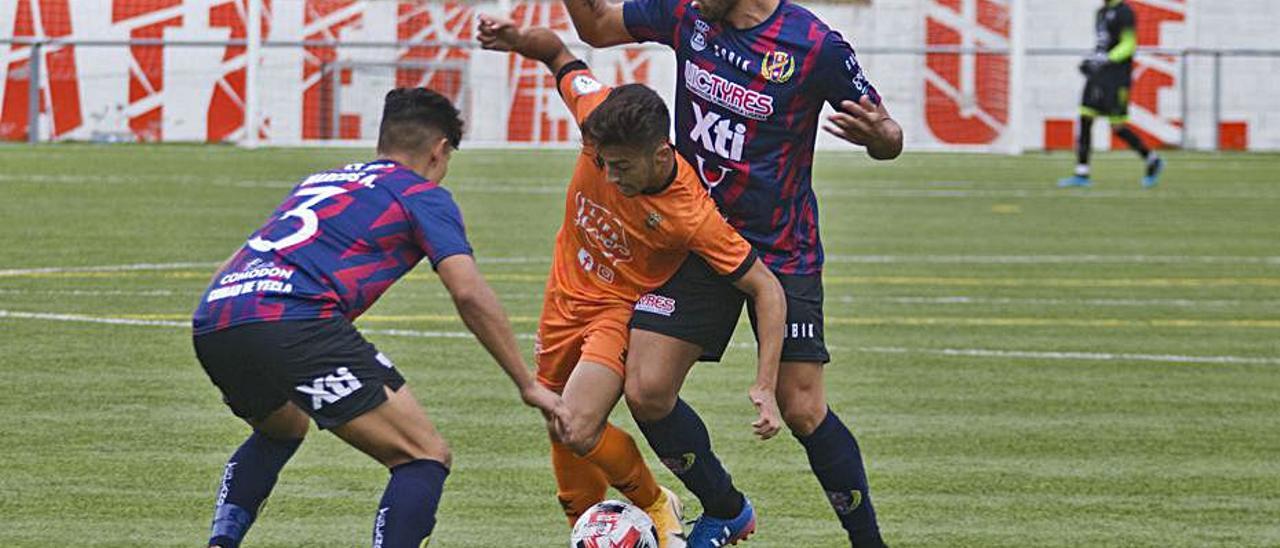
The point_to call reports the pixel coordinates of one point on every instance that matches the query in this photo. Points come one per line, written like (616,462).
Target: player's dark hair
(411,117)
(633,115)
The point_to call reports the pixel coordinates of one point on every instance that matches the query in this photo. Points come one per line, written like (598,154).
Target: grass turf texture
(114,437)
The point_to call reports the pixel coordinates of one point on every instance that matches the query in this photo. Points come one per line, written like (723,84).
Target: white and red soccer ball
(614,524)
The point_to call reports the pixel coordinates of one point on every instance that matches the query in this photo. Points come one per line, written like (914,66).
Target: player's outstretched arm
(770,302)
(536,43)
(599,22)
(484,316)
(867,124)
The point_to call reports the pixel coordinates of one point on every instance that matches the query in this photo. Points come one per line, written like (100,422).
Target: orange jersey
(612,247)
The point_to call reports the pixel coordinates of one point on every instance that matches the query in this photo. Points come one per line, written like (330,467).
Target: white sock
(1082,170)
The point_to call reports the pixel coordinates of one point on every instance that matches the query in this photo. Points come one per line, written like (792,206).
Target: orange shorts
(573,331)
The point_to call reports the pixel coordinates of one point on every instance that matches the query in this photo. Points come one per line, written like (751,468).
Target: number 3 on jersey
(310,223)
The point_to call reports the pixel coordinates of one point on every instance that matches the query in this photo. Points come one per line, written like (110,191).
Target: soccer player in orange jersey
(634,212)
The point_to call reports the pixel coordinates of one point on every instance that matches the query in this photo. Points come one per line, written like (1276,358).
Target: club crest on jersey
(652,220)
(777,67)
(699,40)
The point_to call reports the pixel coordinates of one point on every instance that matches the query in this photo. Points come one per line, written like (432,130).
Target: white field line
(80,318)
(1051,259)
(842,299)
(106,268)
(1074,356)
(94,292)
(950,352)
(961,300)
(179,266)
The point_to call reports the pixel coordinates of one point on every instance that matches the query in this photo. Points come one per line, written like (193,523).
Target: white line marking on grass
(92,292)
(1075,356)
(80,318)
(957,352)
(105,268)
(945,300)
(1051,259)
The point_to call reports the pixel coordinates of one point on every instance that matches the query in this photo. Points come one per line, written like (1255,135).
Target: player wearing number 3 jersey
(273,331)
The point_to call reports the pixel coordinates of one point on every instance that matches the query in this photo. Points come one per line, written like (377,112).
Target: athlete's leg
(656,368)
(252,472)
(833,452)
(1153,163)
(1084,145)
(592,392)
(579,482)
(398,434)
(1126,134)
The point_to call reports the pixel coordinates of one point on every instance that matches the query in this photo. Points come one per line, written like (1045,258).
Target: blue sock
(407,513)
(246,482)
(836,461)
(681,441)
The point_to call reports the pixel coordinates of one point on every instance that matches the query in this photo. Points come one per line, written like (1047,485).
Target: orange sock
(617,455)
(580,484)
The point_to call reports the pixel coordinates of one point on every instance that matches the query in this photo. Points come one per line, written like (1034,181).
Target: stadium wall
(193,87)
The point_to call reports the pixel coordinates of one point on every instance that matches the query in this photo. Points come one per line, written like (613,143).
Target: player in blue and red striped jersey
(273,331)
(752,77)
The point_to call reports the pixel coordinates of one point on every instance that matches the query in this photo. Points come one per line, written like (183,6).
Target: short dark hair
(412,116)
(633,115)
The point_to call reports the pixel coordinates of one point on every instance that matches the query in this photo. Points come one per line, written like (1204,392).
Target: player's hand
(867,124)
(498,34)
(769,421)
(542,398)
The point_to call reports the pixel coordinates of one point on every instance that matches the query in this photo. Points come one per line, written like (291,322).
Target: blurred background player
(752,76)
(633,212)
(274,332)
(1106,91)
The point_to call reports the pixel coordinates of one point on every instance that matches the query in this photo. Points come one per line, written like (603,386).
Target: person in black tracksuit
(1106,93)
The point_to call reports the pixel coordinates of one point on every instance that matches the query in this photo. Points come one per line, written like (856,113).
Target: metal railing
(34,73)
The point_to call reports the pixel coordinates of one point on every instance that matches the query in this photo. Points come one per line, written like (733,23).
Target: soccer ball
(614,524)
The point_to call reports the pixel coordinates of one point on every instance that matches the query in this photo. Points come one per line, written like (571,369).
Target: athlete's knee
(583,435)
(803,418)
(803,403)
(649,402)
(419,446)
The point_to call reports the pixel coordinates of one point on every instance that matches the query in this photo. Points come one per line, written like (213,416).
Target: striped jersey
(747,108)
(339,240)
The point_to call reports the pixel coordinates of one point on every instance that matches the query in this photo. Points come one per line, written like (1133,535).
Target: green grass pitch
(1023,366)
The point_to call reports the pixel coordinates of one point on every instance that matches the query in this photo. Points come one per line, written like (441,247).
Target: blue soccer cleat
(1074,181)
(1154,169)
(709,532)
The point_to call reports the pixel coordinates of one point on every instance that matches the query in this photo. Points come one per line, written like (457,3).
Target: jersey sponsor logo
(656,304)
(603,229)
(801,330)
(732,57)
(586,85)
(385,361)
(652,220)
(777,67)
(718,134)
(330,388)
(730,95)
(709,179)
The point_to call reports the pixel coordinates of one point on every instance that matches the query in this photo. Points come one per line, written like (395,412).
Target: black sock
(1084,141)
(1130,138)
(247,480)
(837,462)
(407,512)
(681,441)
